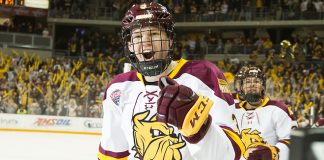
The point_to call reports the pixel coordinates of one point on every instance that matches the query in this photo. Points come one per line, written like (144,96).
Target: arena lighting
(43,4)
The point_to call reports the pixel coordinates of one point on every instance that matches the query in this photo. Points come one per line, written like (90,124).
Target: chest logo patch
(155,140)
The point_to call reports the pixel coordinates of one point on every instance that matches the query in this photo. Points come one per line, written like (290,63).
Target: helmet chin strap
(152,68)
(170,68)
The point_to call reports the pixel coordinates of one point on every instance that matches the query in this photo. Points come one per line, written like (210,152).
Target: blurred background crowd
(195,10)
(75,87)
(85,56)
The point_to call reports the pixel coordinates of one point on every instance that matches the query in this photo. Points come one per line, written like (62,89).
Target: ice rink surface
(47,146)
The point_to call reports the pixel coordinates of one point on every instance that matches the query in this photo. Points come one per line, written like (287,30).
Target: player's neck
(251,106)
(170,68)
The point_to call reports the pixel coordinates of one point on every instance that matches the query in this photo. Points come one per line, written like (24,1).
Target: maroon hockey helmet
(149,14)
(254,71)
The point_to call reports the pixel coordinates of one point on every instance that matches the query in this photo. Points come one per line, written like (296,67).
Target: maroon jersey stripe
(128,76)
(113,154)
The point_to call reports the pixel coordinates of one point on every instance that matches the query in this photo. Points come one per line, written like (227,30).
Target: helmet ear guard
(239,79)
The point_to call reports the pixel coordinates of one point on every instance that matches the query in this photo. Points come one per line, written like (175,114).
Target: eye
(155,33)
(156,133)
(137,37)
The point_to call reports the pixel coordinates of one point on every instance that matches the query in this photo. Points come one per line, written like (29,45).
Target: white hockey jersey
(270,123)
(130,129)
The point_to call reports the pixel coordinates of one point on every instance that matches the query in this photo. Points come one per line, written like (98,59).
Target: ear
(130,47)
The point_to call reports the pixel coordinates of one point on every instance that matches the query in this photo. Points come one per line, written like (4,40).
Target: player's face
(252,85)
(149,40)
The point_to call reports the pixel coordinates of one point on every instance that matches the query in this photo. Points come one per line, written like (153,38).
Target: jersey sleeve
(214,86)
(220,141)
(113,143)
(283,124)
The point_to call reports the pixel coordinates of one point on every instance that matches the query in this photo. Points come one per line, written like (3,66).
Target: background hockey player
(263,124)
(191,119)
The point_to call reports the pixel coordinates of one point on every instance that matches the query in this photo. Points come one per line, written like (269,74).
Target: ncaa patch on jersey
(115,96)
(223,86)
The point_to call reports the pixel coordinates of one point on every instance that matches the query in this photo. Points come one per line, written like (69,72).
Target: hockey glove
(180,106)
(261,151)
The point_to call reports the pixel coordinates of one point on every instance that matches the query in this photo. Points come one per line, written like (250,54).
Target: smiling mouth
(148,55)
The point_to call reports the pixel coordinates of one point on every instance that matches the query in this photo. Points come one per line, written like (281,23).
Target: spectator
(22,110)
(62,107)
(224,10)
(318,5)
(45,32)
(227,46)
(35,108)
(2,107)
(177,8)
(80,111)
(211,11)
(50,110)
(267,45)
(72,108)
(248,10)
(94,110)
(303,121)
(259,43)
(259,8)
(11,106)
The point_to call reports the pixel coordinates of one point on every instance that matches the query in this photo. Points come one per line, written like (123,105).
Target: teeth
(170,142)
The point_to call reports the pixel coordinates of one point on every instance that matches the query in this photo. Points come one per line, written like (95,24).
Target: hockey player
(263,124)
(165,109)
(238,95)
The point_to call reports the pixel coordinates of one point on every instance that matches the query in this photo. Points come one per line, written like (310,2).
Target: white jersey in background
(270,123)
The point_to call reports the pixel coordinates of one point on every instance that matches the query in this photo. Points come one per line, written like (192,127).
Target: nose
(146,42)
(252,84)
(146,39)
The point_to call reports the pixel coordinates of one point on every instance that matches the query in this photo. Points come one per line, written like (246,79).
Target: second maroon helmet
(256,72)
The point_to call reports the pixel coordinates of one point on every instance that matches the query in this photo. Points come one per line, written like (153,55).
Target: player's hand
(180,106)
(174,102)
(261,151)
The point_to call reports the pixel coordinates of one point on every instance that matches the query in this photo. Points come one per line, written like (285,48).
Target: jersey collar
(265,102)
